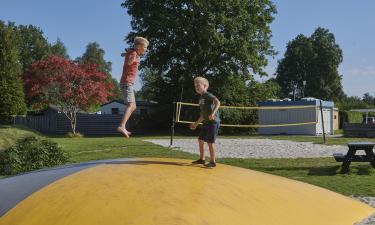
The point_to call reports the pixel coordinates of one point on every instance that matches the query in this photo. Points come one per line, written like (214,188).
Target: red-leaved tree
(68,85)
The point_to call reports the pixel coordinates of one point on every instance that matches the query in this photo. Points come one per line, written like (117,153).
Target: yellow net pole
(177,118)
(179,112)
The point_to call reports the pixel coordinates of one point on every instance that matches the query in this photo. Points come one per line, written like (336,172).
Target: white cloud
(363,71)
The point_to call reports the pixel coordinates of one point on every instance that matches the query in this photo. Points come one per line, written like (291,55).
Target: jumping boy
(210,118)
(129,73)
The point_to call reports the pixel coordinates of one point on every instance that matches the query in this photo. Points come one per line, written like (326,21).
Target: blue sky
(79,22)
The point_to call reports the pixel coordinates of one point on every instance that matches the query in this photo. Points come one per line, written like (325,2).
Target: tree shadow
(335,170)
(321,170)
(324,171)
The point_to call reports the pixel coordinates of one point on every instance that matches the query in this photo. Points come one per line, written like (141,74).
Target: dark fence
(359,130)
(87,124)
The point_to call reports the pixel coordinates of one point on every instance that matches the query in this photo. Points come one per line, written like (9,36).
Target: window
(115,111)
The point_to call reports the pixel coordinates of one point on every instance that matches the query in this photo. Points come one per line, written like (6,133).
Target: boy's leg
(129,98)
(201,149)
(201,139)
(128,112)
(212,152)
(210,142)
(201,159)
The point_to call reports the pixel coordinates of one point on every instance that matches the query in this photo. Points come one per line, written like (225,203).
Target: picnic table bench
(352,157)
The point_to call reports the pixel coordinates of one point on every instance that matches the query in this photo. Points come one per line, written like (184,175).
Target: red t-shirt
(129,72)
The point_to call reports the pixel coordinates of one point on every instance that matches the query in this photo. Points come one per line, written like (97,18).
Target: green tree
(264,91)
(315,60)
(11,88)
(351,102)
(325,72)
(215,39)
(59,49)
(32,45)
(293,69)
(240,93)
(95,55)
(367,98)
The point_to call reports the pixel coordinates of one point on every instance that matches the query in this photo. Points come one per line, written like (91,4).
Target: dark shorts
(209,132)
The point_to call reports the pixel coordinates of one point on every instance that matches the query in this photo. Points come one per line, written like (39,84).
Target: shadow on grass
(312,171)
(324,171)
(363,170)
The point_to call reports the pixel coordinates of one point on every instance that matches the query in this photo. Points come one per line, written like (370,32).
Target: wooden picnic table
(352,157)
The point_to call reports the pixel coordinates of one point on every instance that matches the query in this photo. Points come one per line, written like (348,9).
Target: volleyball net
(237,116)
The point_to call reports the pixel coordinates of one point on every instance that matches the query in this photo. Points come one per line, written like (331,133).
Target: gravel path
(258,148)
(267,148)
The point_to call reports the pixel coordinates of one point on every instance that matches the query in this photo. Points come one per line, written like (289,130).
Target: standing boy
(210,118)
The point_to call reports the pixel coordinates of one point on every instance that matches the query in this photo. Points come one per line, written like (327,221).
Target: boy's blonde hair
(202,80)
(141,41)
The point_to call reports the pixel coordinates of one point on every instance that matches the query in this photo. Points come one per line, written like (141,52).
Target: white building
(118,107)
(296,115)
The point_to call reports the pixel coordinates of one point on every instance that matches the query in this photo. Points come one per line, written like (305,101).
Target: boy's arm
(132,58)
(194,125)
(217,105)
(199,120)
(216,102)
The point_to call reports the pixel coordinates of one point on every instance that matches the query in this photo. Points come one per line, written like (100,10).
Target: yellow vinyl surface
(174,192)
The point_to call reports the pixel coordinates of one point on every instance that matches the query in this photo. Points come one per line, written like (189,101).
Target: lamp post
(303,89)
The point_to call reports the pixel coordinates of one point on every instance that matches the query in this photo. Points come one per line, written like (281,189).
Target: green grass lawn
(339,131)
(323,172)
(95,148)
(9,134)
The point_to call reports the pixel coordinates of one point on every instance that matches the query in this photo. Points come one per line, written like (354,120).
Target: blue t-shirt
(206,106)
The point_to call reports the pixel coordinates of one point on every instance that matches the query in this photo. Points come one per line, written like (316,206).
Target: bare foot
(123,132)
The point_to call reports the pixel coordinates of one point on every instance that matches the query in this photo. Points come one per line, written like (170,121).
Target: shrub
(351,117)
(31,153)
